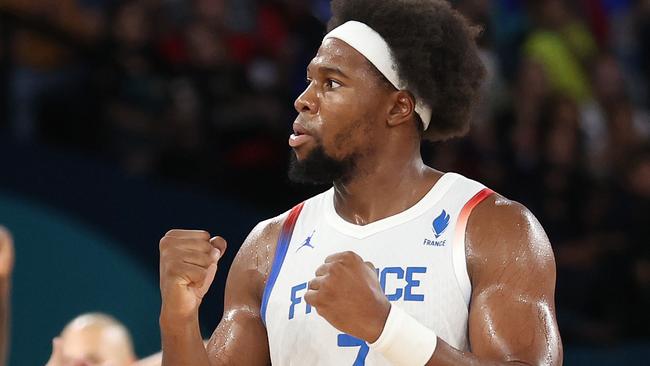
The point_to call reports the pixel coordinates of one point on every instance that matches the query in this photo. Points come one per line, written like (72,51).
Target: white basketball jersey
(420,259)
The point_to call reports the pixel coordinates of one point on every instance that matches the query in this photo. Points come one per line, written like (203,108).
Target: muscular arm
(512,312)
(240,337)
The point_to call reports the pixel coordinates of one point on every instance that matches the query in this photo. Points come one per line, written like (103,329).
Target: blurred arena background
(122,119)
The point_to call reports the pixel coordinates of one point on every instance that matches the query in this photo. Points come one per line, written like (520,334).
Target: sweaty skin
(353,113)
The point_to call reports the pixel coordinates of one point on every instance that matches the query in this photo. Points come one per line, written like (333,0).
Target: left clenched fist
(347,293)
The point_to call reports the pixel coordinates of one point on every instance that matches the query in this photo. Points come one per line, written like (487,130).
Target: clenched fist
(188,263)
(347,293)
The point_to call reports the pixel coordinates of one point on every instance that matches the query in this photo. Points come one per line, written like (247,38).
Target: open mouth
(300,136)
(299,130)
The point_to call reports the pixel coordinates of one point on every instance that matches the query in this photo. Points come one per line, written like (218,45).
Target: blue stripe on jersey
(280,254)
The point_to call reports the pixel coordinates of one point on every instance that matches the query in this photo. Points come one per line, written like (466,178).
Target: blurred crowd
(564,128)
(201,92)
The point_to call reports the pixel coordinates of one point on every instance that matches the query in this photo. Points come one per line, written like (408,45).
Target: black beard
(318,168)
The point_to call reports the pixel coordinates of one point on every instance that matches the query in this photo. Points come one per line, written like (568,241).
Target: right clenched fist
(188,263)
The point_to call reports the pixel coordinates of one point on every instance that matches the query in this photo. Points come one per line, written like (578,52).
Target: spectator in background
(43,66)
(563,45)
(93,339)
(493,93)
(6,269)
(561,180)
(135,93)
(642,33)
(201,80)
(517,126)
(611,123)
(635,205)
(628,40)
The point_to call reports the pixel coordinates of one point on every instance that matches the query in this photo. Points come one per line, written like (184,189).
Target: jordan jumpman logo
(307,242)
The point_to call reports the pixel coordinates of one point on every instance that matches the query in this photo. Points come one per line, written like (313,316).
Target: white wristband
(404,340)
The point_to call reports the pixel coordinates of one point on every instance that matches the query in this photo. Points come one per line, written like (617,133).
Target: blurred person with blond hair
(93,339)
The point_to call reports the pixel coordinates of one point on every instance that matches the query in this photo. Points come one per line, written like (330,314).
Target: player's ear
(402,108)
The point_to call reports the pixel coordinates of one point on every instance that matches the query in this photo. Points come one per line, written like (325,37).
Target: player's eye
(333,84)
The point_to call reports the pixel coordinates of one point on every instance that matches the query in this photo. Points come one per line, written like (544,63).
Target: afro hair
(435,50)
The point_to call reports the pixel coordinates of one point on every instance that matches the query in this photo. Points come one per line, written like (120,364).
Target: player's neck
(384,189)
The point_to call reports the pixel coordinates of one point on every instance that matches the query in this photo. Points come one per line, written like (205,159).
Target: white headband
(373,47)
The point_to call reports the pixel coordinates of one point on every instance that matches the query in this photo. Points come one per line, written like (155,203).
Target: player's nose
(306,102)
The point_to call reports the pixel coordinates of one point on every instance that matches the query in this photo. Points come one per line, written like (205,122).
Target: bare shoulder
(512,270)
(259,246)
(255,256)
(503,233)
(241,329)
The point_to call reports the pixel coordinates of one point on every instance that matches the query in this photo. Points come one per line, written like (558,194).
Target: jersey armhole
(458,250)
(280,253)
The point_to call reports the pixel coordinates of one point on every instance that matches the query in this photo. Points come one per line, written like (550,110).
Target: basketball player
(397,264)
